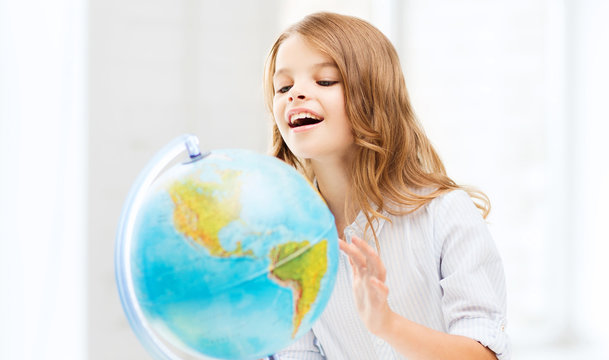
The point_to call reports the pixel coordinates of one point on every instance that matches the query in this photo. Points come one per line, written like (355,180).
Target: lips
(303,117)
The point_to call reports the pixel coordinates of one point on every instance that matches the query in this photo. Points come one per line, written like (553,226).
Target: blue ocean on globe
(233,256)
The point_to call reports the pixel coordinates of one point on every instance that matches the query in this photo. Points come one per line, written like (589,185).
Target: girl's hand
(369,286)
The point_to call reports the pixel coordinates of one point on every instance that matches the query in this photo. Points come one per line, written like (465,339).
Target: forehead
(297,53)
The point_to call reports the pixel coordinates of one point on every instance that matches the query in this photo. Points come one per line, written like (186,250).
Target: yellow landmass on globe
(202,209)
(302,274)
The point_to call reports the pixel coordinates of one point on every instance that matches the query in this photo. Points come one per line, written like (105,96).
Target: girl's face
(308,104)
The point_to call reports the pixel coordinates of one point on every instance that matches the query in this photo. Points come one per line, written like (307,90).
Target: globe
(227,255)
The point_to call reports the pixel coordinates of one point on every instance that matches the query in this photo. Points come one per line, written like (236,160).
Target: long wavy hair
(395,167)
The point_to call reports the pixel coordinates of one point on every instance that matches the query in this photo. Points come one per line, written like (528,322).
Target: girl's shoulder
(451,203)
(449,209)
(456,201)
(451,198)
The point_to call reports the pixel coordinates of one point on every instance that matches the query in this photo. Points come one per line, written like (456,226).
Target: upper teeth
(303,115)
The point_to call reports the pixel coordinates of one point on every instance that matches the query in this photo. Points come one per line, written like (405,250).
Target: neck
(334,184)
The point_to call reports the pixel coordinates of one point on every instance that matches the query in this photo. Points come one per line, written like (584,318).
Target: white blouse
(443,271)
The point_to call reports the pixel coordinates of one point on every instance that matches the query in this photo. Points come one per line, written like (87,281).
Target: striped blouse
(443,271)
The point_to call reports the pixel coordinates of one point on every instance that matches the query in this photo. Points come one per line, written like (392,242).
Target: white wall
(42,180)
(589,54)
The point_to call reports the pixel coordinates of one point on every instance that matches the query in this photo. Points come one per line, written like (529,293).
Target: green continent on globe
(202,209)
(303,273)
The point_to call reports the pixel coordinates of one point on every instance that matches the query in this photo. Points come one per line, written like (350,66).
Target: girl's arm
(410,339)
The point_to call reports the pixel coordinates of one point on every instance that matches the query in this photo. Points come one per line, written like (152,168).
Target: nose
(296,95)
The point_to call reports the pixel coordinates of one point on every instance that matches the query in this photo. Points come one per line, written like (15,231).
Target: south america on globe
(231,255)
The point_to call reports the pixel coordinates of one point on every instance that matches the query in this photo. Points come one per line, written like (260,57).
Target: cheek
(338,102)
(340,110)
(277,109)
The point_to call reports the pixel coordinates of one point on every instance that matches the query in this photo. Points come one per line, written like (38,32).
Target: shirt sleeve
(304,348)
(472,276)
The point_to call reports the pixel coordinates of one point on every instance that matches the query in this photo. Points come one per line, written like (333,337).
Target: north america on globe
(202,209)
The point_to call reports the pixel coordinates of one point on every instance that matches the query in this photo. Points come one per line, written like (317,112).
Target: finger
(354,267)
(363,246)
(374,265)
(355,255)
(373,261)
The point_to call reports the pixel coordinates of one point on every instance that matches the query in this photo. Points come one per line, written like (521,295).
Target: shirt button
(379,342)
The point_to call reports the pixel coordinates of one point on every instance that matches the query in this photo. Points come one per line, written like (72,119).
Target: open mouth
(302,122)
(303,119)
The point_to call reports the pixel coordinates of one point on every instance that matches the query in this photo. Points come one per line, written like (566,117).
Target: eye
(326,83)
(284,89)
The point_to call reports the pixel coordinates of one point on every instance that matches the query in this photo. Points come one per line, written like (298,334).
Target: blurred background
(512,93)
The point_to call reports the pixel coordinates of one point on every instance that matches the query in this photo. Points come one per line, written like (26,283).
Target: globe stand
(122,261)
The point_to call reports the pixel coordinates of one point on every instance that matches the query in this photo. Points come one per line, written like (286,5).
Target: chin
(303,153)
(306,155)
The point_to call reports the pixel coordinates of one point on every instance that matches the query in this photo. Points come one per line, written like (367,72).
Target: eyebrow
(315,67)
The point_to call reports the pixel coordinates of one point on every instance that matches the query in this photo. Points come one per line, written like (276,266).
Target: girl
(419,276)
